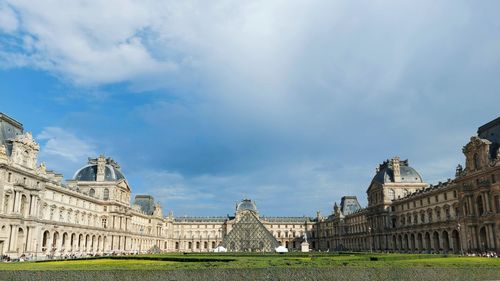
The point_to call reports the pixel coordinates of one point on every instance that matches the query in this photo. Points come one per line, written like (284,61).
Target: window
(454,194)
(6,204)
(493,179)
(446,196)
(437,198)
(104,223)
(106,194)
(480,207)
(428,200)
(9,178)
(92,192)
(497,204)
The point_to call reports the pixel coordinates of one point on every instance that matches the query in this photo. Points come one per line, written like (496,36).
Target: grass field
(249,261)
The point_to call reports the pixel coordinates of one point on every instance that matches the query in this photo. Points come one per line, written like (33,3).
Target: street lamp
(458,238)
(370,238)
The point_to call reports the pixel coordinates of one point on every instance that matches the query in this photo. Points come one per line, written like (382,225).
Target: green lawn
(296,260)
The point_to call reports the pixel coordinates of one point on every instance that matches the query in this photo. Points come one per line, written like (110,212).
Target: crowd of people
(31,257)
(489,254)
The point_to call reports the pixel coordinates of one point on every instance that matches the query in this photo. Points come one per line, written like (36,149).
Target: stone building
(42,215)
(406,214)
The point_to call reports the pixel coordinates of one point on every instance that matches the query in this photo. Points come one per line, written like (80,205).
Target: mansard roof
(385,173)
(88,172)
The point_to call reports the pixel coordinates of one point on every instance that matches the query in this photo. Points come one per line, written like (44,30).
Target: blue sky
(290,103)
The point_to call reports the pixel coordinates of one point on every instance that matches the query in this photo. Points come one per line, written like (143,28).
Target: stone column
(18,202)
(29,234)
(34,210)
(15,232)
(485,202)
(473,209)
(59,242)
(491,237)
(14,202)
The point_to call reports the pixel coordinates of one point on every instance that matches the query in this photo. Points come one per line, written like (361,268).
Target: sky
(290,103)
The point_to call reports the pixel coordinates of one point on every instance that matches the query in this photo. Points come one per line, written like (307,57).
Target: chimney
(396,169)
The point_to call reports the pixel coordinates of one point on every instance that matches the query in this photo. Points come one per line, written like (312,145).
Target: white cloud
(63,150)
(277,89)
(306,187)
(8,19)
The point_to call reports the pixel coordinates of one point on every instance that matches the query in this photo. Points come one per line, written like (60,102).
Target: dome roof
(89,172)
(246,204)
(385,173)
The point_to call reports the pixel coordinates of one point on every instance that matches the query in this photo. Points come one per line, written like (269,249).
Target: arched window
(106,194)
(92,192)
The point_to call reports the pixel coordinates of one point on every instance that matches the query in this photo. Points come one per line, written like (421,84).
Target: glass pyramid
(249,235)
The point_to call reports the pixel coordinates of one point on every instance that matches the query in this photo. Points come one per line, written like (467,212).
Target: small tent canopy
(220,249)
(281,249)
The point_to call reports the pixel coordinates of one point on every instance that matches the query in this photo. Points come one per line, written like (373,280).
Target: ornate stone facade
(41,215)
(406,214)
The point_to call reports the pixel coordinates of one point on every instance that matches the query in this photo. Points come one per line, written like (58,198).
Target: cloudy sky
(290,103)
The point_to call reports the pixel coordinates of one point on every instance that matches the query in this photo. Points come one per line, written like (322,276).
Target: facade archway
(428,241)
(72,242)
(54,241)
(446,241)
(435,241)
(455,237)
(483,241)
(20,241)
(80,242)
(420,241)
(45,240)
(64,241)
